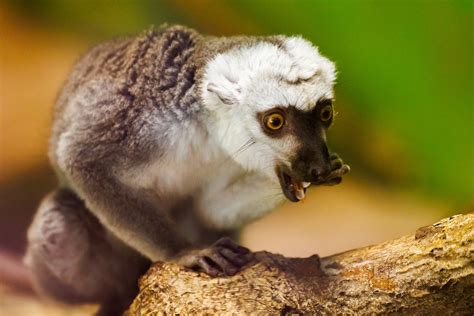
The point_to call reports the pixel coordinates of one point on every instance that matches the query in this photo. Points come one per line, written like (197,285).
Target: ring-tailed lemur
(164,143)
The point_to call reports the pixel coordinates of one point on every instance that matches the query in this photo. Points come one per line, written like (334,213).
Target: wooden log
(430,272)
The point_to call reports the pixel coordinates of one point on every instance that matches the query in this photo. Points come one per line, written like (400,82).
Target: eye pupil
(326,113)
(274,121)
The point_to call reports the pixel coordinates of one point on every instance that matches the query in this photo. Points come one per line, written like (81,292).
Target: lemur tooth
(300,194)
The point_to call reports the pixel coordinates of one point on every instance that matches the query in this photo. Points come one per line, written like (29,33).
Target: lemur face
(271,107)
(308,161)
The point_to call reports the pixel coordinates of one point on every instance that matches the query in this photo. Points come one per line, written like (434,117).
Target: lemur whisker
(240,150)
(244,147)
(225,133)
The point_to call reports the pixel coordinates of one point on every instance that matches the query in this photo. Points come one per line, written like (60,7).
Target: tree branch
(429,272)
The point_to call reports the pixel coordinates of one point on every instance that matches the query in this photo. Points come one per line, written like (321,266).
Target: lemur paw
(224,257)
(338,169)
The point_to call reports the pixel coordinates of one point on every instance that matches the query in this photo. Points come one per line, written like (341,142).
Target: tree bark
(429,272)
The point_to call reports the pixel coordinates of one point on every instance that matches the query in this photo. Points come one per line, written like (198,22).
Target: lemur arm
(128,212)
(112,135)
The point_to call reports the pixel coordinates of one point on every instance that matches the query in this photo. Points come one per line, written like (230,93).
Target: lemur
(165,144)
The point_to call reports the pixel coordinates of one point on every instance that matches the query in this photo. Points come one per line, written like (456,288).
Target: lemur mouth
(293,189)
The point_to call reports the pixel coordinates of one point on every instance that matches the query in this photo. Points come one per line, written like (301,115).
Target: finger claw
(348,168)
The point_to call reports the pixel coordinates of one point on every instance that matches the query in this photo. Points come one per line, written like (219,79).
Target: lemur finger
(336,164)
(222,263)
(333,156)
(345,169)
(340,171)
(229,243)
(237,259)
(333,181)
(203,264)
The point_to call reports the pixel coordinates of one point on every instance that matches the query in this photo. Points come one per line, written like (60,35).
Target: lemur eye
(274,121)
(326,113)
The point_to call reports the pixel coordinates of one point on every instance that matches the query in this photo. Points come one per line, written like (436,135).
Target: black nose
(318,173)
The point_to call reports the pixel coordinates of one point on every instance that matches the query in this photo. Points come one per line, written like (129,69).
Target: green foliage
(404,66)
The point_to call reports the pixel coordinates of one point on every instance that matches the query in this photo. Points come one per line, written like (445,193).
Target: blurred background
(404,124)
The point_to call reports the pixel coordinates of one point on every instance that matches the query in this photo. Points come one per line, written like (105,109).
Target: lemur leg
(74,259)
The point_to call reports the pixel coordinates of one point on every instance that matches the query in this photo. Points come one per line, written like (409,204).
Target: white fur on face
(242,82)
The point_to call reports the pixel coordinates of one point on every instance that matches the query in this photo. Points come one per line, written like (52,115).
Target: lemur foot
(224,257)
(338,169)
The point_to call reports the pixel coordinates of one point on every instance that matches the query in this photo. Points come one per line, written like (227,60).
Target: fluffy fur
(256,78)
(157,146)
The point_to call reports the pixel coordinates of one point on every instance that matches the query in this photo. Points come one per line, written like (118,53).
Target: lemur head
(271,105)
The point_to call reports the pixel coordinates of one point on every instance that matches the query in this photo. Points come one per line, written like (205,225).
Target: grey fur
(75,259)
(117,98)
(125,104)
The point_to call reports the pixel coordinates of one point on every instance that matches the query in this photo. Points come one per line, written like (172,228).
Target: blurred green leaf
(405,66)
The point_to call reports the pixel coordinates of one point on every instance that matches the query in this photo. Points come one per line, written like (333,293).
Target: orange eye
(326,113)
(274,121)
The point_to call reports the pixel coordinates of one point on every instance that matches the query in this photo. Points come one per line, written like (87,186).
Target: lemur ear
(308,61)
(226,90)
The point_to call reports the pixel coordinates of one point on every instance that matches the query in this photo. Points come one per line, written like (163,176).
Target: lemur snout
(320,167)
(320,172)
(312,167)
(312,163)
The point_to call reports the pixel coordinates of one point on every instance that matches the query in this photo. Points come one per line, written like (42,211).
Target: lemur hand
(338,169)
(224,257)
